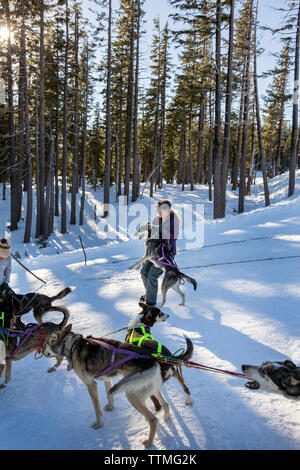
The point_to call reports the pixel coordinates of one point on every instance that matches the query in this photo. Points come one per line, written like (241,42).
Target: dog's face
(278,377)
(49,348)
(151,315)
(143,229)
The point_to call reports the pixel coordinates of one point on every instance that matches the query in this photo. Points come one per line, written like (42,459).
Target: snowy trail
(241,313)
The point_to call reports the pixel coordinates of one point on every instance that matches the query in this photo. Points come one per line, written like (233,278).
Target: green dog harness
(146,337)
(5,338)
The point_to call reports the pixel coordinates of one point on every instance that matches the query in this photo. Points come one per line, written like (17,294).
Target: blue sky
(268,16)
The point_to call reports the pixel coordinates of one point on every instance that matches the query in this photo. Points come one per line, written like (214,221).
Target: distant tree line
(76,112)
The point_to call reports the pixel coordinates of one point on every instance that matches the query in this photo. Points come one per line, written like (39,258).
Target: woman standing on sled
(168,223)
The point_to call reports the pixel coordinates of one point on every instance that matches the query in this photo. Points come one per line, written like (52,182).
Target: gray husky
(29,341)
(101,359)
(172,275)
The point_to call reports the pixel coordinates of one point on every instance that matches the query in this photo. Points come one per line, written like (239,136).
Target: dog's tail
(62,293)
(57,308)
(188,352)
(149,379)
(187,278)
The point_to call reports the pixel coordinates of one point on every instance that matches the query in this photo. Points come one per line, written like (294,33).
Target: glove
(5,289)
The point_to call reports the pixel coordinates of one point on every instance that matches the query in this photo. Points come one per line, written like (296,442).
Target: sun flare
(4,33)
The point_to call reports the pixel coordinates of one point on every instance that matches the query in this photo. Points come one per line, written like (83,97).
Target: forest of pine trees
(76,111)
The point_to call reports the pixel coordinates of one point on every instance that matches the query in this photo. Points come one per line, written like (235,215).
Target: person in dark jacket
(168,222)
(5,267)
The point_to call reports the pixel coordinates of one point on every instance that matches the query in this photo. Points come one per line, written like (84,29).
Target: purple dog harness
(128,356)
(26,333)
(165,261)
(171,248)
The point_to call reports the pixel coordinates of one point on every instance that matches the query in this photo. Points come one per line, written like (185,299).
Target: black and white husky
(143,322)
(278,377)
(172,275)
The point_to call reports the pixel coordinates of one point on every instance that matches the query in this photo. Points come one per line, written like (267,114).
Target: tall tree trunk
(227,131)
(21,136)
(65,133)
(163,106)
(56,197)
(120,141)
(108,119)
(84,136)
(191,175)
(211,148)
(129,123)
(42,119)
(37,168)
(183,162)
(75,127)
(200,143)
(28,222)
(49,178)
(280,132)
(258,120)
(251,166)
(295,130)
(155,145)
(242,188)
(236,161)
(12,138)
(156,124)
(135,163)
(217,159)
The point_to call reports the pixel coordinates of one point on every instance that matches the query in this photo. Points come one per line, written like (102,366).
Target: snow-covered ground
(246,310)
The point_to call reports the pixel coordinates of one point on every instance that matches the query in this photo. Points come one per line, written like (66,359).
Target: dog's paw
(188,401)
(2,386)
(97,425)
(108,407)
(52,369)
(147,443)
(167,416)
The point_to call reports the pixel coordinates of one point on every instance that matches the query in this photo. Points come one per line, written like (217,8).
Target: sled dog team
(140,361)
(136,360)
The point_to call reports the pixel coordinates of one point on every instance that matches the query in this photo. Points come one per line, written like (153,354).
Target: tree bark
(295,130)
(65,133)
(12,138)
(242,187)
(129,123)
(258,120)
(84,137)
(28,222)
(135,164)
(75,127)
(227,131)
(217,159)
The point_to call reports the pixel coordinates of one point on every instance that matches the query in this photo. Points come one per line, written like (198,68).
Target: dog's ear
(68,328)
(296,373)
(53,338)
(290,364)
